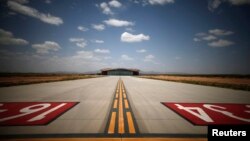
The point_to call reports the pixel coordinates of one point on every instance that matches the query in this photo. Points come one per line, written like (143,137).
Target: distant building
(119,71)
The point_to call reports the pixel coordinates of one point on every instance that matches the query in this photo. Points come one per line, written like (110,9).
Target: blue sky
(183,36)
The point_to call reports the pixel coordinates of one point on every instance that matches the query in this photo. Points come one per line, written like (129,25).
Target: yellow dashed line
(115,104)
(126,103)
(124,95)
(130,123)
(124,122)
(111,129)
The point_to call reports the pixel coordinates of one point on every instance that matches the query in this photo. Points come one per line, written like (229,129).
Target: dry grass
(233,82)
(22,79)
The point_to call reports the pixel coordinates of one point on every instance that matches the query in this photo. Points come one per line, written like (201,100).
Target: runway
(140,105)
(146,96)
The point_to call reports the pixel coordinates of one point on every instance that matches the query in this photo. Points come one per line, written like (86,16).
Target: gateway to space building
(119,71)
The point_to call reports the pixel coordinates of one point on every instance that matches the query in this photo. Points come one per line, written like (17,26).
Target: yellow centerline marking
(124,95)
(111,129)
(126,103)
(121,118)
(115,104)
(131,126)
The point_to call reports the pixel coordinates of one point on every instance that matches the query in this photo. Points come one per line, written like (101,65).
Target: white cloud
(214,34)
(98,41)
(29,11)
(118,23)
(209,38)
(141,51)
(21,1)
(84,55)
(214,4)
(4,33)
(160,2)
(149,58)
(88,55)
(13,41)
(152,2)
(105,9)
(220,32)
(98,27)
(76,39)
(81,61)
(107,57)
(130,38)
(7,38)
(126,57)
(196,39)
(80,42)
(102,50)
(82,28)
(46,47)
(221,43)
(115,3)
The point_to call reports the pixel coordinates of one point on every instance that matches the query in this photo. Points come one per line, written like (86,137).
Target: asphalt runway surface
(140,105)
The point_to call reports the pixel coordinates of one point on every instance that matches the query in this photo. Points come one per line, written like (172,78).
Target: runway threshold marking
(204,114)
(32,113)
(121,120)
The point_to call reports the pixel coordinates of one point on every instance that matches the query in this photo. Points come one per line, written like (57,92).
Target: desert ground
(240,82)
(13,79)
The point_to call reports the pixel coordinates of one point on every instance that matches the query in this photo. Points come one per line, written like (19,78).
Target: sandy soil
(11,80)
(228,82)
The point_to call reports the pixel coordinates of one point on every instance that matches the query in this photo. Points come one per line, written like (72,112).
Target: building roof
(109,69)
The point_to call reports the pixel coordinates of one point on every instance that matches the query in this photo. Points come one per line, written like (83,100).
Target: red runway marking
(31,113)
(212,114)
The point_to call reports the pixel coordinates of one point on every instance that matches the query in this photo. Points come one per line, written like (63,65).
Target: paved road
(152,117)
(89,116)
(96,95)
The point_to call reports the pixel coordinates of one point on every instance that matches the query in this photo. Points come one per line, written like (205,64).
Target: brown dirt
(227,82)
(12,80)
